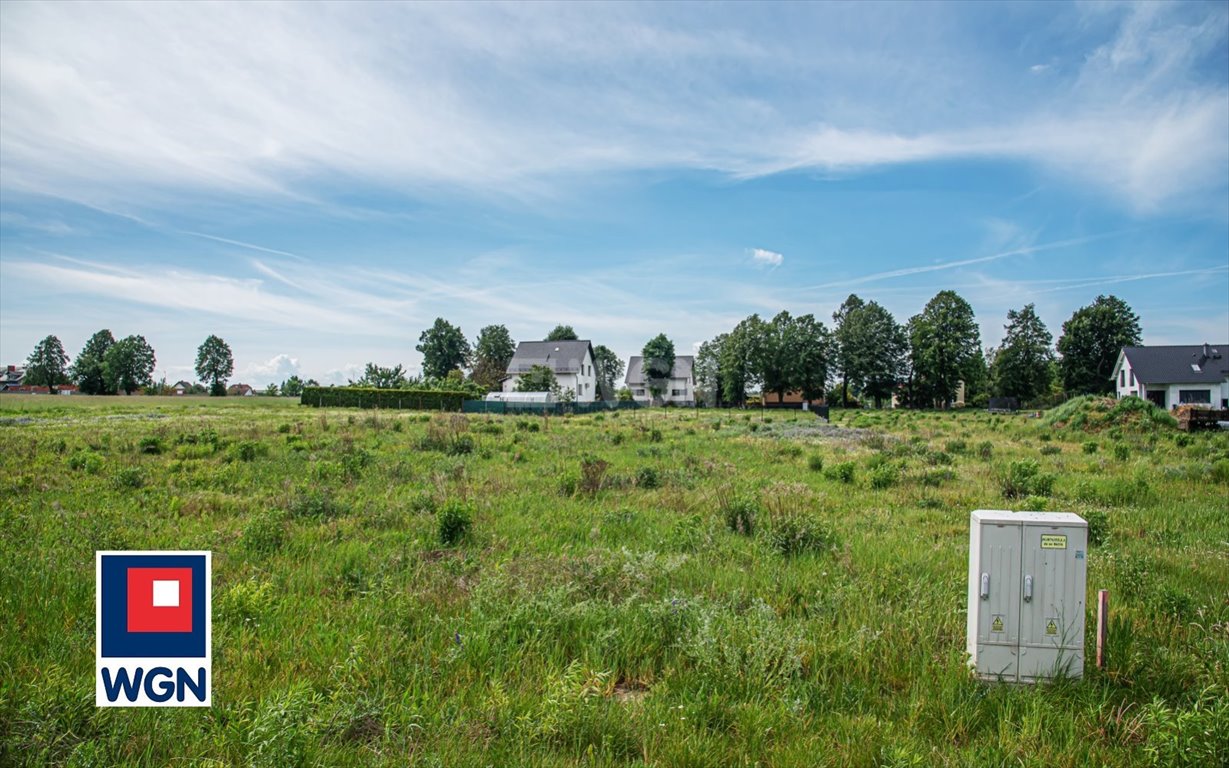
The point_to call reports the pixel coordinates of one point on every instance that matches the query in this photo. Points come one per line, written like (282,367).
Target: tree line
(868,356)
(865,356)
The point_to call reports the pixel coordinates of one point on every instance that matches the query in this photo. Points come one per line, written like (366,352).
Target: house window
(639,392)
(677,393)
(1132,378)
(1194,396)
(1122,378)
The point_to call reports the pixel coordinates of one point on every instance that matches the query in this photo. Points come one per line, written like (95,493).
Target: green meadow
(654,587)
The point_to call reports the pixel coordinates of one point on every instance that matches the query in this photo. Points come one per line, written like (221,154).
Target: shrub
(815,462)
(129,477)
(446,433)
(795,532)
(654,435)
(936,477)
(455,521)
(1024,478)
(956,446)
(283,428)
(985,450)
(740,515)
(1121,452)
(716,425)
(1182,441)
(247,450)
(1098,527)
(884,476)
(844,471)
(315,504)
(1050,450)
(88,461)
(264,533)
(754,427)
(1220,471)
(1090,446)
(151,445)
(648,477)
(592,473)
(937,458)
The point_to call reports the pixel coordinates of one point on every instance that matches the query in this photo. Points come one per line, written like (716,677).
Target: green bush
(740,516)
(1220,471)
(884,476)
(796,532)
(1121,452)
(985,450)
(655,435)
(369,397)
(815,462)
(151,445)
(1098,527)
(844,471)
(648,477)
(248,450)
(88,461)
(1090,446)
(1024,478)
(455,522)
(129,477)
(1050,450)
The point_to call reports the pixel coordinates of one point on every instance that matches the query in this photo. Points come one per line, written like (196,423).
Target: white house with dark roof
(679,389)
(1177,375)
(570,361)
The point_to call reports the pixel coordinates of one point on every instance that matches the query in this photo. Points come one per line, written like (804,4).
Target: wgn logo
(153,637)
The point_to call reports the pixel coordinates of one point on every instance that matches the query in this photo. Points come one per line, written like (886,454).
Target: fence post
(1103,618)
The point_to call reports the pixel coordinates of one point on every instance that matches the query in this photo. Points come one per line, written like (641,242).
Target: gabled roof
(1193,364)
(683,365)
(559,356)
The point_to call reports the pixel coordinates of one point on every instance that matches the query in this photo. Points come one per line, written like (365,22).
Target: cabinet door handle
(985,586)
(1028,589)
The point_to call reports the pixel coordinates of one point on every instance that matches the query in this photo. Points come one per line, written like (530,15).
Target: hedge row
(370,397)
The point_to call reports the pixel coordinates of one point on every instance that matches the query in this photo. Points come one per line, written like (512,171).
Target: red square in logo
(159,599)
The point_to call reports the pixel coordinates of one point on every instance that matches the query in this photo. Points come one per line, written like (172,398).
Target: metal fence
(554,409)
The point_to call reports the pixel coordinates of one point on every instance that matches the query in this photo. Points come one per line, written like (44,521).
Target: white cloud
(277,369)
(766,258)
(110,105)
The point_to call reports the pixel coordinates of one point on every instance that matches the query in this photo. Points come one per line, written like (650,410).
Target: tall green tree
(1090,344)
(47,365)
(214,364)
(562,333)
(707,371)
(292,387)
(873,350)
(945,348)
(87,369)
(1021,365)
(129,364)
(380,377)
(845,346)
(813,357)
(658,364)
(738,359)
(773,358)
(444,348)
(609,370)
(493,350)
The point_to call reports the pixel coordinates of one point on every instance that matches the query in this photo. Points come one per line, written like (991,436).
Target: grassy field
(646,588)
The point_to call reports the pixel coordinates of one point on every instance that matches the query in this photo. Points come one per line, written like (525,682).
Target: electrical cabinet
(1027,581)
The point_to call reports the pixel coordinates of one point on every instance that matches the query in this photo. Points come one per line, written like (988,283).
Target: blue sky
(316,183)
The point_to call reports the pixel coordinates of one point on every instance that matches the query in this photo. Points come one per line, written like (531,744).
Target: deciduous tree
(562,333)
(493,350)
(945,346)
(609,370)
(47,365)
(443,347)
(658,362)
(381,377)
(873,351)
(129,364)
(1022,364)
(539,378)
(87,369)
(214,364)
(1090,344)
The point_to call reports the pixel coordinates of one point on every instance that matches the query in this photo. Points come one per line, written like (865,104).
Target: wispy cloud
(766,258)
(283,100)
(908,271)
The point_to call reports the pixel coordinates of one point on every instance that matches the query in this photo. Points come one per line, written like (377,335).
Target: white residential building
(570,361)
(679,389)
(1172,376)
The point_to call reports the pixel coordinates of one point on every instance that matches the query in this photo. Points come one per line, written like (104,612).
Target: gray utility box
(1027,579)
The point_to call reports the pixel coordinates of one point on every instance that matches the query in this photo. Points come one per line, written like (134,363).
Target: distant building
(240,390)
(570,361)
(12,377)
(1174,375)
(679,389)
(181,387)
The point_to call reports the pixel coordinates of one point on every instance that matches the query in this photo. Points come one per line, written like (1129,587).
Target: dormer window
(1195,367)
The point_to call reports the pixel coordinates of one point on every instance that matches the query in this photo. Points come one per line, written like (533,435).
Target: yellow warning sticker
(1051,627)
(997,624)
(1053,541)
